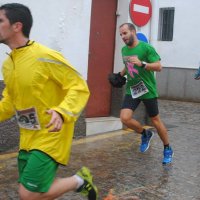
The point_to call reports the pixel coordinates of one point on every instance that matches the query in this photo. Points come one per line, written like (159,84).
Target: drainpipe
(154,23)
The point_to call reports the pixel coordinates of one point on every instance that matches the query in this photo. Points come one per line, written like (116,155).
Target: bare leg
(59,187)
(160,127)
(126,116)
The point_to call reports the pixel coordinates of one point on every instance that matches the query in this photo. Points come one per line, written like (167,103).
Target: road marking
(8,155)
(2,165)
(87,139)
(94,138)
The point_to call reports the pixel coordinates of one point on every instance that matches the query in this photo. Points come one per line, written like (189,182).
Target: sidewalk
(117,164)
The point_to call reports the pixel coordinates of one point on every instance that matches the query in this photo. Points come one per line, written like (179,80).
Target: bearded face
(127,35)
(130,41)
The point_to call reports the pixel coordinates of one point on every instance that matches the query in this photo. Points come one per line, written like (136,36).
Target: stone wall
(178,84)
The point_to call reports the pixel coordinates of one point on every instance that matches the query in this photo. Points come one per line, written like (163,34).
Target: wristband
(144,64)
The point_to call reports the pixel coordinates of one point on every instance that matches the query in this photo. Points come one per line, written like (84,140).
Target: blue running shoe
(168,154)
(146,140)
(197,74)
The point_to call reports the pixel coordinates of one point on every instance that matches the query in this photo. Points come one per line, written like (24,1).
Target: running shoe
(88,189)
(197,74)
(145,140)
(168,154)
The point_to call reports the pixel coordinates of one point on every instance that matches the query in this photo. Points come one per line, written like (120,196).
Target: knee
(24,194)
(125,119)
(156,120)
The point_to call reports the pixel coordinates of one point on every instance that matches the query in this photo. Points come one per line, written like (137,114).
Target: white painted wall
(62,25)
(184,50)
(122,17)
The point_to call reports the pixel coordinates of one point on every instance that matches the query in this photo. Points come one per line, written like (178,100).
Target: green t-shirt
(135,74)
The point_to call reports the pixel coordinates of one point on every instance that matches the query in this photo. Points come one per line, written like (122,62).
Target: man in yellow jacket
(47,96)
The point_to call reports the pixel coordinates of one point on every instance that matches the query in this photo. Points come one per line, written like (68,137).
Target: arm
(73,86)
(72,105)
(155,66)
(6,107)
(123,72)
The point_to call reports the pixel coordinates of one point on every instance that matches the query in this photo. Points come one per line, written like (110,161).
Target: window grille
(166,24)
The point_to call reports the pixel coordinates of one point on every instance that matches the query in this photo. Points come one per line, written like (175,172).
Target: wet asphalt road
(117,164)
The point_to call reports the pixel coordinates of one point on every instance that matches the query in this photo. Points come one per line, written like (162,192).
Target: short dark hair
(16,12)
(130,26)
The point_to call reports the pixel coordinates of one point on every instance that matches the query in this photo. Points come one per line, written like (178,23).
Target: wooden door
(101,56)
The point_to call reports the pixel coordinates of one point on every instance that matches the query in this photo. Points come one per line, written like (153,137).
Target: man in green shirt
(141,61)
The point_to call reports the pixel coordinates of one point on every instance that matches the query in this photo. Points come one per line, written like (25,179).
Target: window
(166,24)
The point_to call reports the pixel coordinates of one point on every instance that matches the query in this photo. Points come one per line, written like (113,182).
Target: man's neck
(17,43)
(135,43)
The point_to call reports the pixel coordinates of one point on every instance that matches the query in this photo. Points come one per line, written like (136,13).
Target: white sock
(79,180)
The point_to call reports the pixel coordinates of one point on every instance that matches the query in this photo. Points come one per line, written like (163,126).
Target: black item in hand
(116,80)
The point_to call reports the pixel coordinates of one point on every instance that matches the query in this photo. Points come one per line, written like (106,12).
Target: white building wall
(184,50)
(181,57)
(122,17)
(62,25)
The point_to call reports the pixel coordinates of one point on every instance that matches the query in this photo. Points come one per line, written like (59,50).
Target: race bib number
(138,90)
(28,119)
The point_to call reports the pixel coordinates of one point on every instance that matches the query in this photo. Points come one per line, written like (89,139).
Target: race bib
(138,90)
(28,119)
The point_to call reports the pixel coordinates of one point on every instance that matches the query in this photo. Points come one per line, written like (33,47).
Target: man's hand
(116,80)
(134,60)
(56,121)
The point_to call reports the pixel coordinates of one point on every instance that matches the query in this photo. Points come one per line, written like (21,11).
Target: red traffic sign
(140,11)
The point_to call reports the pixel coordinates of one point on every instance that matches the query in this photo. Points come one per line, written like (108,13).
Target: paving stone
(117,164)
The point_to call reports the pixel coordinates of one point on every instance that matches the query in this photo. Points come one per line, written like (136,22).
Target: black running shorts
(151,105)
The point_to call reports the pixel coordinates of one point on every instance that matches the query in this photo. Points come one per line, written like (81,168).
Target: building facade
(86,32)
(174,32)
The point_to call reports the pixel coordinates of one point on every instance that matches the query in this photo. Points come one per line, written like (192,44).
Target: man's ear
(133,31)
(17,26)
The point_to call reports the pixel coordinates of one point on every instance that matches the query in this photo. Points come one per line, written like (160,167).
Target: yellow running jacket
(37,79)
